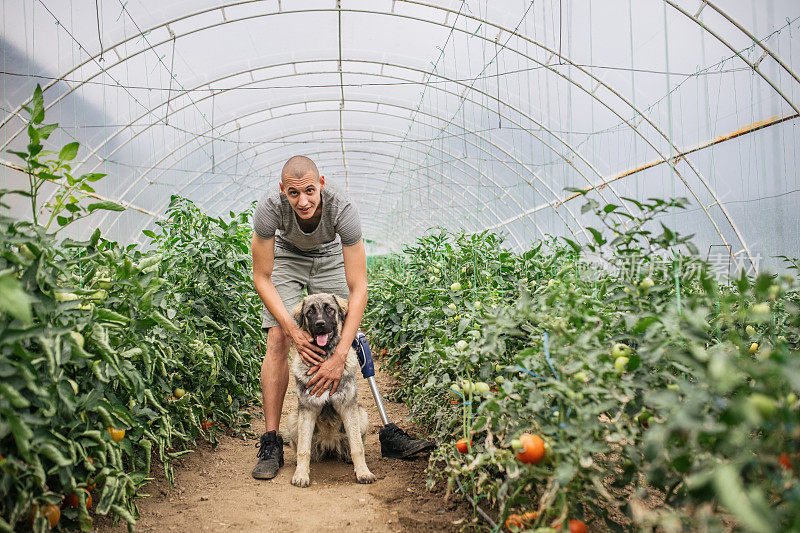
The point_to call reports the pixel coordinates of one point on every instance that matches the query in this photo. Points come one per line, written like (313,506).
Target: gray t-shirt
(339,225)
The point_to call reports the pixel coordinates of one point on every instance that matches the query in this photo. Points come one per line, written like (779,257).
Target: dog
(330,425)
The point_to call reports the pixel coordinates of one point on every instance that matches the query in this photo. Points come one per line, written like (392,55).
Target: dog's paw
(299,480)
(366,477)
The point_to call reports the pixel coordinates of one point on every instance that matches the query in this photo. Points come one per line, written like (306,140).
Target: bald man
(308,236)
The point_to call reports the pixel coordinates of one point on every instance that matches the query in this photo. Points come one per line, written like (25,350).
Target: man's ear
(298,314)
(342,303)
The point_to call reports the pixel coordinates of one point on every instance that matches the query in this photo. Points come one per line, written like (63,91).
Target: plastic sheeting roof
(462,114)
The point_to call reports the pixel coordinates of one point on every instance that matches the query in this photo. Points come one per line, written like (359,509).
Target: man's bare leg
(274,377)
(274,381)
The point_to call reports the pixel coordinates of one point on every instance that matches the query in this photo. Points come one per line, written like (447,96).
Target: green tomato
(455,390)
(750,330)
(455,286)
(466,386)
(673,386)
(773,291)
(516,444)
(499,379)
(791,398)
(646,284)
(179,393)
(481,387)
(580,376)
(432,279)
(620,350)
(762,403)
(620,364)
(644,417)
(477,304)
(462,345)
(452,306)
(551,283)
(760,309)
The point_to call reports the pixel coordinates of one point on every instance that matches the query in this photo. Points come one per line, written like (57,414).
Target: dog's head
(322,315)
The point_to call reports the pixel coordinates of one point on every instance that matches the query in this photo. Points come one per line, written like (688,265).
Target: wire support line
(126,205)
(148,111)
(462,100)
(760,125)
(705,72)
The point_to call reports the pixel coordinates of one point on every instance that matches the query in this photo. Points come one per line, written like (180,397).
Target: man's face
(304,193)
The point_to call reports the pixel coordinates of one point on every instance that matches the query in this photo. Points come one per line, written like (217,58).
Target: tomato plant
(95,334)
(641,384)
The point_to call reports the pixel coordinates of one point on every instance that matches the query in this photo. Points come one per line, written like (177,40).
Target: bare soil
(215,492)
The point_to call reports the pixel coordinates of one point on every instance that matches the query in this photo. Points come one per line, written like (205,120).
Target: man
(308,236)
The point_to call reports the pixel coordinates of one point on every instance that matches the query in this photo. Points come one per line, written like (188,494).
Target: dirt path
(215,492)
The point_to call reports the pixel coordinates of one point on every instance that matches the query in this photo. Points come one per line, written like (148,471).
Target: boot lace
(266,449)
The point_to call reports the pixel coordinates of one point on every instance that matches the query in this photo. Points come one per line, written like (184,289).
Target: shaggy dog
(331,425)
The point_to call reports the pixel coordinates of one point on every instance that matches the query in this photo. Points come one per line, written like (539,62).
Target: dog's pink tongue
(322,340)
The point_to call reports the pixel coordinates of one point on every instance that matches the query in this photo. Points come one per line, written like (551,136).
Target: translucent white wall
(470,115)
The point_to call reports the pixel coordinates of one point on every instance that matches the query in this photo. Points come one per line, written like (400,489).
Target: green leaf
(575,246)
(610,207)
(598,237)
(732,495)
(13,396)
(47,176)
(149,233)
(45,131)
(93,176)
(13,298)
(63,221)
(37,116)
(106,204)
(69,151)
(22,155)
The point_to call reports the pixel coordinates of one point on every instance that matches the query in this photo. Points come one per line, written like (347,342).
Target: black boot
(270,456)
(397,444)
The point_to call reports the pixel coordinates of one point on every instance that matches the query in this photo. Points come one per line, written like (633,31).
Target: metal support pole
(376,395)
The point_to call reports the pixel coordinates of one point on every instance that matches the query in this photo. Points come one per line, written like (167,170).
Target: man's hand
(327,375)
(309,352)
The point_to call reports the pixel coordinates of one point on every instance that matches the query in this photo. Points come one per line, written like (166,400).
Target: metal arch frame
(495,145)
(566,78)
(554,53)
(446,10)
(479,104)
(753,66)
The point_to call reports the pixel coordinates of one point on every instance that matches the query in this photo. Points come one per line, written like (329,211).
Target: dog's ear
(298,314)
(342,303)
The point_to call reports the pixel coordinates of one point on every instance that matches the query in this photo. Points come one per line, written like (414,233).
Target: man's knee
(277,343)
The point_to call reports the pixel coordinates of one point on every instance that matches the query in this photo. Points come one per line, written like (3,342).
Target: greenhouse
(400,265)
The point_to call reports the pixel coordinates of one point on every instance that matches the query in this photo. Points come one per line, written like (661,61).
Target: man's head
(302,185)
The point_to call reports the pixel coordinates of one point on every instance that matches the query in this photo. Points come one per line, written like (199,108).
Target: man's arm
(355,271)
(263,262)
